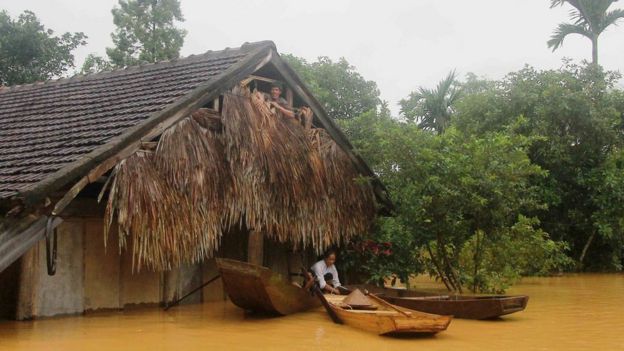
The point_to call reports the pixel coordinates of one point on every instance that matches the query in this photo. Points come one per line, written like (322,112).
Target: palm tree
(432,108)
(590,18)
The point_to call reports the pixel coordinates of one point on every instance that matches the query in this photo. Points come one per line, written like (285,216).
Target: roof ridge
(244,48)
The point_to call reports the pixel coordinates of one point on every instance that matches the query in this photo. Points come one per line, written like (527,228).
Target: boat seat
(391,313)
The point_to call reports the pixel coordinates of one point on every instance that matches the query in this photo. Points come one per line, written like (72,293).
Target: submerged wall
(90,278)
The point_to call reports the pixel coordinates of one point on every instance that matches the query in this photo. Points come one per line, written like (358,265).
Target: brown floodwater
(572,312)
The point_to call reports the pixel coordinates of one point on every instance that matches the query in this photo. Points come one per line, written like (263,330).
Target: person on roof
(278,102)
(326,273)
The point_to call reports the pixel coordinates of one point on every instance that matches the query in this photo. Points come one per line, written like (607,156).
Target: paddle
(317,291)
(175,303)
(386,303)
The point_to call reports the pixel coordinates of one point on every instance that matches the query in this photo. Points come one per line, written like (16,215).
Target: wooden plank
(255,248)
(252,77)
(215,104)
(289,96)
(19,238)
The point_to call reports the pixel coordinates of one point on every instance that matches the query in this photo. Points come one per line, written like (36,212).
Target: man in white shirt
(326,273)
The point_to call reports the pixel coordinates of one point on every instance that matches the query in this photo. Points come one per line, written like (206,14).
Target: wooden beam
(289,96)
(255,248)
(252,77)
(21,236)
(149,145)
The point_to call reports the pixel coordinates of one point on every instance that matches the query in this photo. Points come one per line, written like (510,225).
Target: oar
(175,303)
(317,291)
(388,304)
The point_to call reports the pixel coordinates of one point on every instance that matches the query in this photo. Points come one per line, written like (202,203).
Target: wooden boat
(258,289)
(459,306)
(387,319)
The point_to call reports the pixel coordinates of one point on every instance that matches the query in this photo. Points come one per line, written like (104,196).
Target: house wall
(63,293)
(90,277)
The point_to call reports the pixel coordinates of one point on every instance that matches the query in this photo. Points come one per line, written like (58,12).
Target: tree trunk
(476,264)
(584,252)
(595,50)
(448,268)
(434,259)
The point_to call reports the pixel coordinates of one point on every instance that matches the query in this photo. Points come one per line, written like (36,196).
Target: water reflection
(575,312)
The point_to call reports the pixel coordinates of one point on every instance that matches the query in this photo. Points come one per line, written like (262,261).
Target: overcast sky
(399,44)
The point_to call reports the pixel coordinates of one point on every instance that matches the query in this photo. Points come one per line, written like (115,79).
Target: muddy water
(576,312)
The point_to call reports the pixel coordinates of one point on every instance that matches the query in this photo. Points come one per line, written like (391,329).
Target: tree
(94,63)
(590,19)
(607,184)
(462,205)
(432,108)
(146,32)
(574,117)
(343,91)
(29,52)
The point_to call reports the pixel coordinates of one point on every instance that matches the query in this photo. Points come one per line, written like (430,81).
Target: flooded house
(119,188)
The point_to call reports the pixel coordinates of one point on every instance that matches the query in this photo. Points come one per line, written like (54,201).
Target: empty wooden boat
(384,318)
(258,289)
(459,306)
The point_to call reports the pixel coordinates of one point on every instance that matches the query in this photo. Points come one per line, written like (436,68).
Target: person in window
(326,273)
(278,102)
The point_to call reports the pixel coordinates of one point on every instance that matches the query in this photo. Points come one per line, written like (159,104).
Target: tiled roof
(46,126)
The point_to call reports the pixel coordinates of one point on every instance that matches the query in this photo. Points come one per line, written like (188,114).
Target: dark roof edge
(381,193)
(259,53)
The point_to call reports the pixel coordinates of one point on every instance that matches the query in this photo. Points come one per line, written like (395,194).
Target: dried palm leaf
(265,170)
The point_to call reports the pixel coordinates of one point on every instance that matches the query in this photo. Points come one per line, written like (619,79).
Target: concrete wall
(90,277)
(63,293)
(102,269)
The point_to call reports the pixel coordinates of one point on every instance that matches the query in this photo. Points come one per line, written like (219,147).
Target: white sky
(399,44)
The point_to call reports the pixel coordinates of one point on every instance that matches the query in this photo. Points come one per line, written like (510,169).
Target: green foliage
(388,255)
(344,93)
(94,63)
(607,183)
(146,32)
(29,52)
(450,189)
(432,109)
(574,118)
(507,255)
(590,18)
(527,174)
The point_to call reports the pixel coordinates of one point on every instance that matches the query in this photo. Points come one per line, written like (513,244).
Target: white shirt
(320,269)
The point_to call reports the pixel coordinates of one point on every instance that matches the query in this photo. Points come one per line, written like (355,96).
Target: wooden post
(289,96)
(255,247)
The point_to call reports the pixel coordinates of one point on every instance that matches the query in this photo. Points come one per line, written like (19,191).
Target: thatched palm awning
(262,170)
